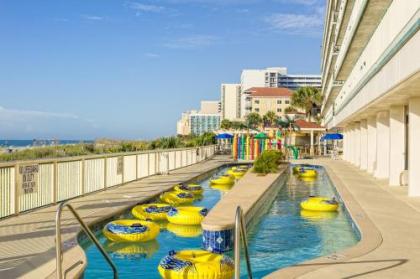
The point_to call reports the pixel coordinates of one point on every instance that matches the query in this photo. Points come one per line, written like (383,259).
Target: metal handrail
(240,230)
(59,254)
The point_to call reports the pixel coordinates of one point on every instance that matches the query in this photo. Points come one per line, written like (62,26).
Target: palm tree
(307,98)
(288,126)
(270,118)
(226,124)
(253,120)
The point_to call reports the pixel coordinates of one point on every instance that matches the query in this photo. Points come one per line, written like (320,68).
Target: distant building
(273,77)
(210,107)
(262,100)
(230,100)
(200,122)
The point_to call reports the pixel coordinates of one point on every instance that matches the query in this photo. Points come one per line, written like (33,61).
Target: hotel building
(371,86)
(200,122)
(274,77)
(262,100)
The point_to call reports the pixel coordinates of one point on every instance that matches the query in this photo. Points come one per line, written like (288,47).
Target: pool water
(286,235)
(141,260)
(282,236)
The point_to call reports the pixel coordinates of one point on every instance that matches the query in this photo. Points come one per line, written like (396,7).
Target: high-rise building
(230,100)
(371,86)
(273,77)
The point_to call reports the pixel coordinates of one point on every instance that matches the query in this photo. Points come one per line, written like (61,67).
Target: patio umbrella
(224,136)
(261,136)
(332,137)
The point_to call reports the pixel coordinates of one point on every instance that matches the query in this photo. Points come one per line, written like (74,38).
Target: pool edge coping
(371,238)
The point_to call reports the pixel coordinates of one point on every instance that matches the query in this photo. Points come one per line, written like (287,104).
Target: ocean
(29,143)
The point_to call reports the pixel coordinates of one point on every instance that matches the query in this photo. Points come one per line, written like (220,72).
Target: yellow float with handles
(187,215)
(196,264)
(223,179)
(319,204)
(185,230)
(176,197)
(306,173)
(302,167)
(130,230)
(196,189)
(236,173)
(151,211)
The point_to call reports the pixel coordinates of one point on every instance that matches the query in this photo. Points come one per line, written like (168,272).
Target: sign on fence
(120,165)
(29,178)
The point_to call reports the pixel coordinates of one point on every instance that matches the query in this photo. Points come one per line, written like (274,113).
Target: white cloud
(190,42)
(17,123)
(92,17)
(151,55)
(145,8)
(297,23)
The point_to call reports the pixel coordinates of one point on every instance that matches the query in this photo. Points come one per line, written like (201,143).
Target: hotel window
(257,101)
(287,102)
(279,102)
(279,110)
(257,110)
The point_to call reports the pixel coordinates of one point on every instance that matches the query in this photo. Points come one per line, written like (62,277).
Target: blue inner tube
(120,229)
(156,209)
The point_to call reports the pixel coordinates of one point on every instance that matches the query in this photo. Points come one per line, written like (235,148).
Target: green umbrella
(261,136)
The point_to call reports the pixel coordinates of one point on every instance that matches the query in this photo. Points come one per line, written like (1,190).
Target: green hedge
(268,162)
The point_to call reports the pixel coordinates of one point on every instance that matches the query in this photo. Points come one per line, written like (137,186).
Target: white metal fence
(26,185)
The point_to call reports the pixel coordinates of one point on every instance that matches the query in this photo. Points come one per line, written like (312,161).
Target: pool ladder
(59,254)
(240,232)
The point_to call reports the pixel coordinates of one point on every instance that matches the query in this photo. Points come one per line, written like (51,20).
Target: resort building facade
(371,86)
(199,122)
(274,77)
(262,100)
(230,101)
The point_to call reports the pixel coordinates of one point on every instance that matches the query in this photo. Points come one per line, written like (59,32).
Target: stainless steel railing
(240,232)
(59,254)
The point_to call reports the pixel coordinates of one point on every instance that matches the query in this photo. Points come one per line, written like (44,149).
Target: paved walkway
(27,241)
(395,216)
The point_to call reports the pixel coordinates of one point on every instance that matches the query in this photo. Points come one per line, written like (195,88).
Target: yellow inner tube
(151,211)
(126,230)
(224,179)
(187,215)
(196,189)
(177,197)
(319,204)
(196,264)
(308,173)
(185,230)
(236,173)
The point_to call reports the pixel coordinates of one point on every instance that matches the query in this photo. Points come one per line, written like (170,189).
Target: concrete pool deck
(390,228)
(27,241)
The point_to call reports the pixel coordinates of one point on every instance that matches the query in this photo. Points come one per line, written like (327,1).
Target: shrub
(268,162)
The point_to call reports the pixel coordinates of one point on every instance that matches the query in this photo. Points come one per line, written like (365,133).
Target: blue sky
(127,69)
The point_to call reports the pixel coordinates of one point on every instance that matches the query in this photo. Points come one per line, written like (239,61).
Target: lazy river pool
(282,235)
